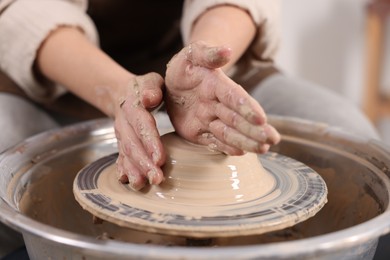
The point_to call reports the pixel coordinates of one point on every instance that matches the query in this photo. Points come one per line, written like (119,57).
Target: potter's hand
(207,107)
(141,152)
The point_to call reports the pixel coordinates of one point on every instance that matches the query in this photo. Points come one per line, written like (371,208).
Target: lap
(20,119)
(285,96)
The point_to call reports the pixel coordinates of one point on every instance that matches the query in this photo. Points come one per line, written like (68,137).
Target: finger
(133,149)
(272,134)
(144,126)
(214,144)
(146,131)
(235,139)
(212,57)
(121,175)
(137,157)
(136,180)
(237,99)
(261,133)
(151,93)
(128,173)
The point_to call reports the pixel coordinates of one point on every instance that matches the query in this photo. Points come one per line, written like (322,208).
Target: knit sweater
(25,24)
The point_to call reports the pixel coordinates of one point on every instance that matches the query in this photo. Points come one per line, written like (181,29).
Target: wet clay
(197,182)
(205,193)
(47,197)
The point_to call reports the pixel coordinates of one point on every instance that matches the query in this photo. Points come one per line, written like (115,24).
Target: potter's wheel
(206,194)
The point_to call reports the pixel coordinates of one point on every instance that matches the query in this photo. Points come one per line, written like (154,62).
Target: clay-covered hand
(208,108)
(141,152)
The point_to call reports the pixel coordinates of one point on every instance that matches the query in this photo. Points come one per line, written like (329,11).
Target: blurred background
(328,42)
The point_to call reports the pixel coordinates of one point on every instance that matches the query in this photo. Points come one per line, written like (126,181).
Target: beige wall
(322,41)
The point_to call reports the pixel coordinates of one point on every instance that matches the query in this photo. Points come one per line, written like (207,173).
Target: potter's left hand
(141,153)
(208,108)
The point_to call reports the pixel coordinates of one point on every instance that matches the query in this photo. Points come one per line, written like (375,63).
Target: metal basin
(36,179)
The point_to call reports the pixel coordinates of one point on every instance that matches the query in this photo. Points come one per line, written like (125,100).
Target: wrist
(68,58)
(113,95)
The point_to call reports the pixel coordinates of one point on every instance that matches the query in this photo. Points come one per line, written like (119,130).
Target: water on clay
(354,196)
(205,193)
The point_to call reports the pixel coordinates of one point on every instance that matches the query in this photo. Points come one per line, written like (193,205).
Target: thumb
(151,91)
(212,57)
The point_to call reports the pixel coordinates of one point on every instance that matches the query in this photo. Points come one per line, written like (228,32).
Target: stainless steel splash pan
(356,171)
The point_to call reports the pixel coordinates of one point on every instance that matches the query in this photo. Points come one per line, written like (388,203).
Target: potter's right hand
(141,152)
(207,107)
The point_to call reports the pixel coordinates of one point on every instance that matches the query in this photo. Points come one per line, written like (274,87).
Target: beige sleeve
(265,14)
(24,25)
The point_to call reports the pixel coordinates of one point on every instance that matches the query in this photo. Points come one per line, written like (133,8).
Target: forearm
(68,58)
(225,25)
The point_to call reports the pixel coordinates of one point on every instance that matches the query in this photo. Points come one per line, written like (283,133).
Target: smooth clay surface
(205,193)
(197,182)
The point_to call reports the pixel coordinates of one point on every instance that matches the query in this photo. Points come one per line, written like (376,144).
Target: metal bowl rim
(349,237)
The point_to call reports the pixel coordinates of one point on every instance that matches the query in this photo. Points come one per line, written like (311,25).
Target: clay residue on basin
(49,199)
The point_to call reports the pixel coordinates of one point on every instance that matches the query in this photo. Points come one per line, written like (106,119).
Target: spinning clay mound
(205,193)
